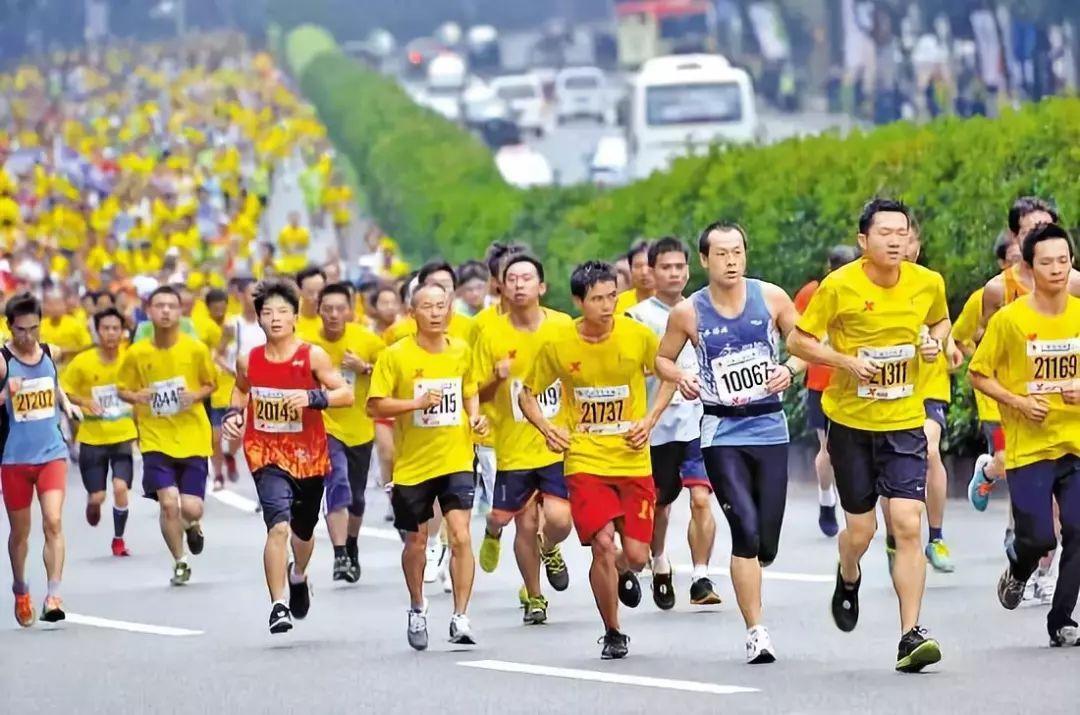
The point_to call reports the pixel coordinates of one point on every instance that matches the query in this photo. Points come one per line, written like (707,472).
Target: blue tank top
(32,414)
(734,359)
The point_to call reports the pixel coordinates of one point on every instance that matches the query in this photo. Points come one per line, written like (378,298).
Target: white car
(446,77)
(610,162)
(524,167)
(480,104)
(581,92)
(524,94)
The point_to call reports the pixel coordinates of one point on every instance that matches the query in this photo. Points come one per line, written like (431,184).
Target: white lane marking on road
(766,574)
(597,676)
(244,504)
(129,626)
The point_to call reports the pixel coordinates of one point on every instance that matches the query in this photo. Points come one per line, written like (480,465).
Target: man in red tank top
(280,387)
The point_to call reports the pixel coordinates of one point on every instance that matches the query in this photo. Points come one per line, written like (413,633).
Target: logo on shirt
(1033,336)
(512,354)
(575,367)
(418,374)
(869,308)
(755,323)
(297,363)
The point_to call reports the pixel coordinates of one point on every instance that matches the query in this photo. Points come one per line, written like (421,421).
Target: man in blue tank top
(735,324)
(34,454)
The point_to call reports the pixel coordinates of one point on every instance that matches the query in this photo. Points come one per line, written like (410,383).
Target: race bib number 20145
(272,415)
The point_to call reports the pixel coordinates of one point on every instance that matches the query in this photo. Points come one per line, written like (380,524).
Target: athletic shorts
(597,501)
(815,416)
(348,476)
(95,461)
(676,465)
(20,480)
(216,415)
(995,436)
(515,487)
(935,410)
(284,498)
(869,465)
(750,484)
(414,504)
(160,471)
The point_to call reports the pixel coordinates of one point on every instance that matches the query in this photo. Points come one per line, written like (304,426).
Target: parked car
(524,94)
(581,92)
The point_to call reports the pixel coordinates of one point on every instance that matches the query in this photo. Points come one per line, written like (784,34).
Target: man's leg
(909,569)
(824,470)
(217,460)
(276,560)
(462,563)
(701,532)
(526,548)
(19,546)
(937,481)
(52,509)
(1067,491)
(557,523)
(121,500)
(359,459)
(604,576)
(338,498)
(172,529)
(413,559)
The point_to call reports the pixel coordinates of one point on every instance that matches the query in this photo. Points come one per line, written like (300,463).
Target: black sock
(351,547)
(339,551)
(119,519)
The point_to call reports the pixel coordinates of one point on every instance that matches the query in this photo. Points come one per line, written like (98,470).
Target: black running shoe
(195,539)
(280,618)
(354,570)
(845,603)
(827,521)
(916,651)
(703,593)
(616,645)
(663,591)
(1010,591)
(341,568)
(629,589)
(299,597)
(554,566)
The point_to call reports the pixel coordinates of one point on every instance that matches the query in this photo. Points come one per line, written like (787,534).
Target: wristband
(318,399)
(231,412)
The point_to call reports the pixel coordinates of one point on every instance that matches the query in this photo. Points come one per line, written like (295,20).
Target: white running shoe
(461,630)
(417,633)
(431,568)
(1045,585)
(759,647)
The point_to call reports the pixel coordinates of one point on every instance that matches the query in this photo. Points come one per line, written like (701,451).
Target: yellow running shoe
(523,597)
(489,552)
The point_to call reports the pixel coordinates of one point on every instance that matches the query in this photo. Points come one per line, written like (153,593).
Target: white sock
(700,571)
(295,578)
(826,497)
(182,559)
(660,564)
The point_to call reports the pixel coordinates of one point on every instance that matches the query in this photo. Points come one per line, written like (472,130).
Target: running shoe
(916,651)
(119,548)
(25,614)
(280,618)
(1045,585)
(536,611)
(354,570)
(341,568)
(845,603)
(616,645)
(702,593)
(629,589)
(1010,590)
(461,630)
(554,566)
(299,596)
(195,539)
(417,630)
(826,521)
(1066,636)
(490,548)
(523,597)
(937,553)
(759,647)
(980,486)
(663,591)
(52,611)
(181,573)
(431,568)
(93,514)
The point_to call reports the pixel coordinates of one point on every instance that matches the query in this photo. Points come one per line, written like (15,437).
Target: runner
(167,378)
(601,363)
(529,485)
(239,336)
(288,382)
(210,330)
(387,311)
(34,455)
(352,349)
(423,380)
(311,281)
(675,444)
(872,312)
(642,285)
(107,432)
(817,379)
(735,325)
(1027,362)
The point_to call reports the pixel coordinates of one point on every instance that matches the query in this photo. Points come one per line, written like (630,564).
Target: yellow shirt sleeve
(822,307)
(968,321)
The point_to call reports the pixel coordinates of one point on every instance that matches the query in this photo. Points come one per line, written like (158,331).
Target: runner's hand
(779,380)
(689,386)
(479,425)
(863,369)
(187,398)
(1071,395)
(352,362)
(557,438)
(429,399)
(74,413)
(296,399)
(930,349)
(502,369)
(955,357)
(95,408)
(1034,407)
(638,434)
(232,428)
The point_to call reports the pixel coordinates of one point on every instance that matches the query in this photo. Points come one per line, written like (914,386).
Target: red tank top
(290,439)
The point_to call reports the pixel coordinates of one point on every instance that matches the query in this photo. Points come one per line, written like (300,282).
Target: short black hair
(498,252)
(667,244)
(473,271)
(241,283)
(216,295)
(637,247)
(1001,245)
(588,274)
(522,258)
(703,237)
(840,256)
(309,272)
(163,290)
(282,288)
(881,205)
(1045,232)
(21,304)
(340,288)
(1027,205)
(436,266)
(107,313)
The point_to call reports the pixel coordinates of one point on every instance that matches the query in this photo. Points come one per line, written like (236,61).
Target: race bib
(112,407)
(603,410)
(895,376)
(271,413)
(447,413)
(165,400)
(1052,365)
(549,400)
(34,400)
(741,377)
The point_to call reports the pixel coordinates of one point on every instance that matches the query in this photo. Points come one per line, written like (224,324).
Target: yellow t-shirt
(963,331)
(164,425)
(436,441)
(68,333)
(291,240)
(461,327)
(308,329)
(860,317)
(1031,353)
(518,445)
(209,333)
(626,300)
(90,377)
(604,391)
(352,425)
(934,380)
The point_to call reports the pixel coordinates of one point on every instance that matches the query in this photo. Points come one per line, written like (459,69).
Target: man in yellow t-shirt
(167,378)
(293,242)
(601,361)
(210,328)
(642,286)
(62,329)
(423,382)
(107,430)
(456,325)
(1028,363)
(353,350)
(311,281)
(872,311)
